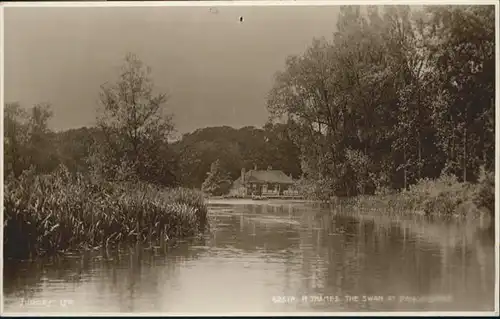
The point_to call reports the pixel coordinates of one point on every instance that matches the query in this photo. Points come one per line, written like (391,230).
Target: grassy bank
(58,212)
(444,197)
(447,197)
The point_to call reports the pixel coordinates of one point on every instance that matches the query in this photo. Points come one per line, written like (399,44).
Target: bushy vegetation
(316,190)
(443,197)
(46,214)
(484,196)
(217,182)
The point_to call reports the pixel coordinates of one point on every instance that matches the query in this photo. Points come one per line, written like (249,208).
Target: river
(272,257)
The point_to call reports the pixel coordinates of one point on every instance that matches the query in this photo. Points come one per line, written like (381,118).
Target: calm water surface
(272,256)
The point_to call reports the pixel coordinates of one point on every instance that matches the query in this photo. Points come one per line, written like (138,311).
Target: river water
(273,257)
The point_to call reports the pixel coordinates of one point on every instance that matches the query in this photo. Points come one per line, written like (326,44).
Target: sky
(216,69)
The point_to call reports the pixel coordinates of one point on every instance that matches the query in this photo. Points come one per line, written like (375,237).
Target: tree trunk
(419,133)
(484,148)
(404,169)
(419,157)
(465,155)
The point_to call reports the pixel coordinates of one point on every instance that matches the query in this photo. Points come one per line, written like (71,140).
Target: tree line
(397,95)
(131,141)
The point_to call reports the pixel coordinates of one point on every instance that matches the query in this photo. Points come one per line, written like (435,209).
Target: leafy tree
(464,61)
(135,127)
(42,149)
(359,166)
(28,140)
(217,182)
(15,139)
(395,96)
(75,148)
(282,152)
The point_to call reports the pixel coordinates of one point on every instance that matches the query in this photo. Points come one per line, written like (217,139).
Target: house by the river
(271,183)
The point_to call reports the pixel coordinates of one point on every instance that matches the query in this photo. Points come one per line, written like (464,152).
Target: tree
(303,94)
(135,127)
(75,147)
(395,96)
(217,182)
(464,63)
(282,152)
(330,94)
(28,140)
(42,149)
(15,139)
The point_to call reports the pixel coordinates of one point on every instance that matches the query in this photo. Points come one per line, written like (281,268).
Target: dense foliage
(396,96)
(217,182)
(247,147)
(27,139)
(135,128)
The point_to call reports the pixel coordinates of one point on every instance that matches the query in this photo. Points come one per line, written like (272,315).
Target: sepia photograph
(249,158)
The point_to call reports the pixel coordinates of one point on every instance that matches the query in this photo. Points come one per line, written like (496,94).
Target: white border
(497,156)
(268,3)
(286,3)
(260,314)
(2,103)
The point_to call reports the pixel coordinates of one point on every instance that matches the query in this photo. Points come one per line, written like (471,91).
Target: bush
(320,190)
(484,195)
(443,196)
(45,214)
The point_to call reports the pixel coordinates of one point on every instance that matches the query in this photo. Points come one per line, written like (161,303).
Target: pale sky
(217,70)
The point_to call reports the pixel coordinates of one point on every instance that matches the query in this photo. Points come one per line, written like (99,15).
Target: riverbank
(444,197)
(56,213)
(258,197)
(241,201)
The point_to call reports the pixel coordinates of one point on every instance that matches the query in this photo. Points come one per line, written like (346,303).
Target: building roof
(266,176)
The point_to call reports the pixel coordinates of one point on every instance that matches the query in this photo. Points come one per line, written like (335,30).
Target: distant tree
(282,153)
(236,149)
(135,127)
(15,139)
(42,149)
(75,147)
(28,140)
(217,182)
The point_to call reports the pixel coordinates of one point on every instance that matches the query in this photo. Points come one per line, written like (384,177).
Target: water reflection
(257,251)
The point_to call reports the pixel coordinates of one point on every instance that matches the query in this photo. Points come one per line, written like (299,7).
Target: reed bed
(49,214)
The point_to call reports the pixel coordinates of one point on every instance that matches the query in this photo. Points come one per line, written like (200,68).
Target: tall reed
(46,214)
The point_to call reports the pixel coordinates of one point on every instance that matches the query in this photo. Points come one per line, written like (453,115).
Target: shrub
(320,190)
(484,195)
(443,196)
